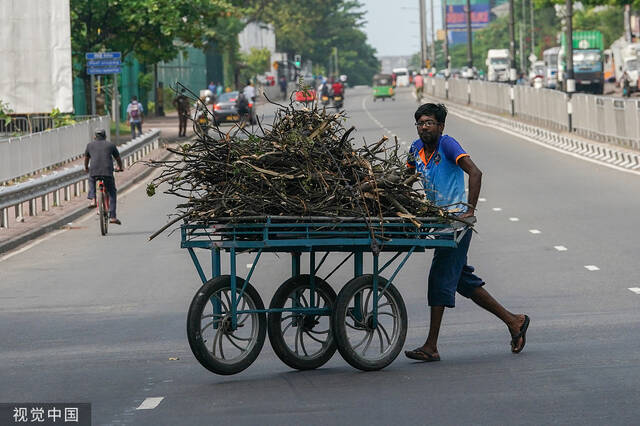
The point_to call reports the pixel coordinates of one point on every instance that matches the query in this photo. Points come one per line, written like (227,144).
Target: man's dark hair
(134,98)
(439,111)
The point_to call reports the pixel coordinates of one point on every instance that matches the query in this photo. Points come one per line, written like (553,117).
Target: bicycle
(102,201)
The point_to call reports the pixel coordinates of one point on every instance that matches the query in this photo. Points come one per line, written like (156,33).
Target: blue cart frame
(295,235)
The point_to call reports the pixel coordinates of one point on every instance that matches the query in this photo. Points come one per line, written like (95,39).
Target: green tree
(314,28)
(147,28)
(256,62)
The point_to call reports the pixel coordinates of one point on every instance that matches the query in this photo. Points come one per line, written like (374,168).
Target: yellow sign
(275,65)
(440,35)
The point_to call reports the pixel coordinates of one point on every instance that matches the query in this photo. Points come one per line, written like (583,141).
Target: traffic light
(297,60)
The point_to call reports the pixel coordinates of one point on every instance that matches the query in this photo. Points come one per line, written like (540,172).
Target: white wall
(35,56)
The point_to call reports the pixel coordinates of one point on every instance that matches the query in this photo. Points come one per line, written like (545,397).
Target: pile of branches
(304,164)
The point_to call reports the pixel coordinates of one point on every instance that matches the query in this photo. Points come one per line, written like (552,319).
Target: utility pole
(433,40)
(571,83)
(469,37)
(521,32)
(447,60)
(533,32)
(512,44)
(423,35)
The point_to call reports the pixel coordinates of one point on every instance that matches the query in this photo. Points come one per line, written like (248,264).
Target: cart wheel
(360,344)
(302,341)
(215,344)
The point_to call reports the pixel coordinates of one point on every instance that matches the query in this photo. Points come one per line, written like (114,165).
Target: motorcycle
(338,101)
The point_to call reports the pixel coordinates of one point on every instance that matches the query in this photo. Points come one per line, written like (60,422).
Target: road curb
(70,217)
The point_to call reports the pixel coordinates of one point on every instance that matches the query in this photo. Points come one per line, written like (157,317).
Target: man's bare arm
(475,182)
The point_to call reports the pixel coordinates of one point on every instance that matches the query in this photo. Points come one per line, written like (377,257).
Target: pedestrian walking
(283,87)
(135,115)
(181,102)
(441,163)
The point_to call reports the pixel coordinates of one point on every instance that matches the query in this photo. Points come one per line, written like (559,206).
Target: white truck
(626,59)
(497,64)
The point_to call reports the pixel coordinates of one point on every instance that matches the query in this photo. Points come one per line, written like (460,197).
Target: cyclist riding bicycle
(98,162)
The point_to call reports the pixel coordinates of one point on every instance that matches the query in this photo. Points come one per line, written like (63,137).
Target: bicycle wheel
(103,213)
(215,343)
(302,341)
(360,343)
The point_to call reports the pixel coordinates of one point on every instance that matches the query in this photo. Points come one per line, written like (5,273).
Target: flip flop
(522,334)
(420,355)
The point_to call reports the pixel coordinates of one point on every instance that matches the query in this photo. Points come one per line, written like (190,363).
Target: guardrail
(25,155)
(602,118)
(41,192)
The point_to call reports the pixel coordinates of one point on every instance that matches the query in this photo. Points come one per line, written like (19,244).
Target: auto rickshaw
(383,87)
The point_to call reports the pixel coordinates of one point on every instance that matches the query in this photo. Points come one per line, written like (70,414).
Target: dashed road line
(249,265)
(514,219)
(560,248)
(591,267)
(535,231)
(636,290)
(482,200)
(150,403)
(497,209)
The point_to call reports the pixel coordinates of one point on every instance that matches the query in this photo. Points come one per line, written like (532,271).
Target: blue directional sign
(103,55)
(104,70)
(103,63)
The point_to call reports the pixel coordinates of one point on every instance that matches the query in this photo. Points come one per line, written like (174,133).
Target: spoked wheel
(362,343)
(302,341)
(216,344)
(103,213)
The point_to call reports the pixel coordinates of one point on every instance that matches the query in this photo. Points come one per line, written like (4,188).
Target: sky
(393,27)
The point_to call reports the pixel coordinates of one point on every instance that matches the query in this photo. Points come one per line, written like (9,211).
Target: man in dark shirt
(98,162)
(181,102)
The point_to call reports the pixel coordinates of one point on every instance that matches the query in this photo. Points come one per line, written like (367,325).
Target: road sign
(103,63)
(102,55)
(104,70)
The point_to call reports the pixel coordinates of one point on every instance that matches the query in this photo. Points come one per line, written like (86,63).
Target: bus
(402,76)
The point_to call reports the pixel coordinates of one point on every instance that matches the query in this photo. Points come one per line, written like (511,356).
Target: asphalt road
(102,320)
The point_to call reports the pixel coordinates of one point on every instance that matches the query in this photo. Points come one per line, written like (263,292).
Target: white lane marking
(535,231)
(560,248)
(514,219)
(497,209)
(32,244)
(592,267)
(80,220)
(636,290)
(249,265)
(482,200)
(150,403)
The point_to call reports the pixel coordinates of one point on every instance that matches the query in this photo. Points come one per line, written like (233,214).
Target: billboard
(457,18)
(35,70)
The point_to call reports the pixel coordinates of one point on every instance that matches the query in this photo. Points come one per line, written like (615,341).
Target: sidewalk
(21,232)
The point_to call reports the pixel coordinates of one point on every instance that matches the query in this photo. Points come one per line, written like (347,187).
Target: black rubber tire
(340,313)
(196,342)
(274,324)
(103,214)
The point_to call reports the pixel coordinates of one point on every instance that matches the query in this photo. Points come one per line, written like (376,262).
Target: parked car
(224,109)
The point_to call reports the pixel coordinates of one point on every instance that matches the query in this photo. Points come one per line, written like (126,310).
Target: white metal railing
(47,190)
(23,155)
(606,119)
